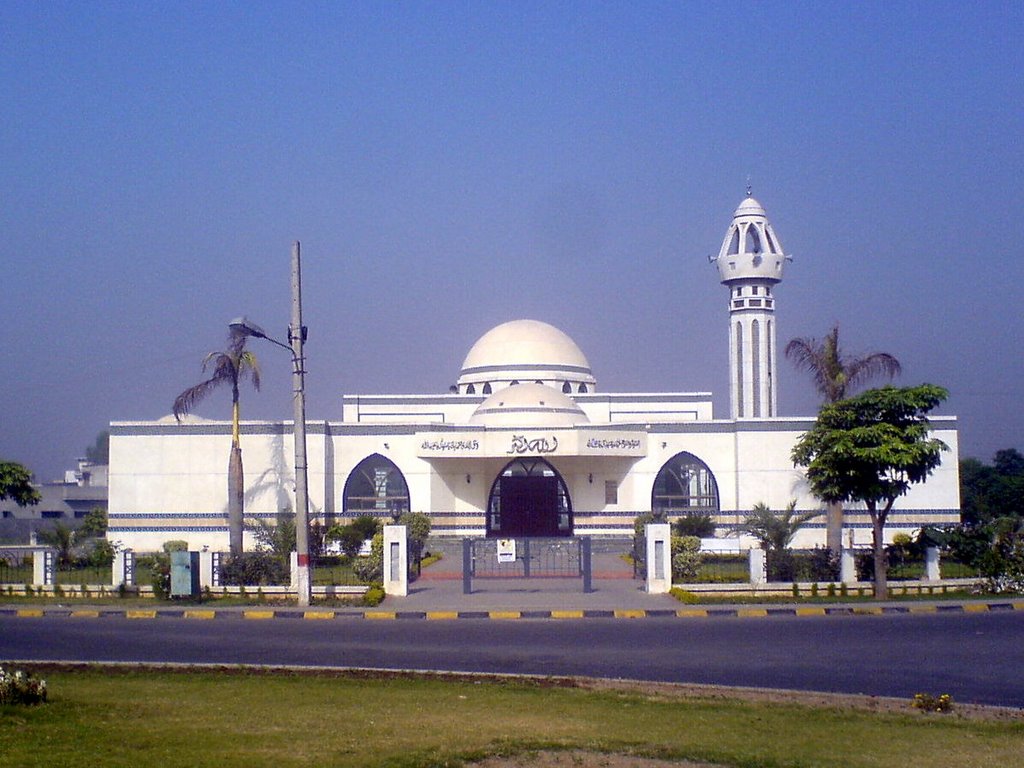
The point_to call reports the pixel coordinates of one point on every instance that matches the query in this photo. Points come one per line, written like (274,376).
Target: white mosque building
(525,444)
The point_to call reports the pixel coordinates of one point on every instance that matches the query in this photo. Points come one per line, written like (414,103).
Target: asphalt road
(974,657)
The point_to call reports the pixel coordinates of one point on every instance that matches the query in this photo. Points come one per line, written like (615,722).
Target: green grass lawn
(139,718)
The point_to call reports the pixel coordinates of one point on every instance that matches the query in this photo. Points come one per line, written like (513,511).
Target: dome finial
(750,189)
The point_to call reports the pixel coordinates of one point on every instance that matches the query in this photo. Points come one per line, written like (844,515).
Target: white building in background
(526,444)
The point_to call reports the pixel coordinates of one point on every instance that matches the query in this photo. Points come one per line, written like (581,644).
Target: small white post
(206,569)
(42,567)
(396,560)
(293,568)
(847,566)
(758,566)
(659,558)
(932,570)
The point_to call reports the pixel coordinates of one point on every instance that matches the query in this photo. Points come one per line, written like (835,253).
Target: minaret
(749,265)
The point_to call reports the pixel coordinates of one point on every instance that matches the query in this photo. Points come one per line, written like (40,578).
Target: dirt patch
(581,759)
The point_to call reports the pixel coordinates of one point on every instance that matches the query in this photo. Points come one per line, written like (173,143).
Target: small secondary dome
(521,352)
(528,405)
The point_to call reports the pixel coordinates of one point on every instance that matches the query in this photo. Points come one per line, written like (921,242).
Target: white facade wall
(169,481)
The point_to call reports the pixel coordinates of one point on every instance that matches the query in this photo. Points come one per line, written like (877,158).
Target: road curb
(323,614)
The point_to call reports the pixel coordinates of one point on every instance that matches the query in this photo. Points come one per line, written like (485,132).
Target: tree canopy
(99,451)
(835,373)
(16,483)
(870,449)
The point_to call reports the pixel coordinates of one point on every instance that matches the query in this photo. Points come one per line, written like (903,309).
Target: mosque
(525,444)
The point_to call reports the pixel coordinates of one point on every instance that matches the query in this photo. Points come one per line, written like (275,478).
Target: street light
(296,338)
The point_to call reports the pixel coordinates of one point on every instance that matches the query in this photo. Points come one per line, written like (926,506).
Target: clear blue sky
(450,166)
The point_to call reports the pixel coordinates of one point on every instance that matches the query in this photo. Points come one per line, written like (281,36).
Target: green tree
(776,530)
(99,451)
(228,369)
(16,484)
(94,524)
(63,539)
(836,375)
(870,449)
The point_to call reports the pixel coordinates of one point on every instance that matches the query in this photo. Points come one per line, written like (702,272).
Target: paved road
(974,657)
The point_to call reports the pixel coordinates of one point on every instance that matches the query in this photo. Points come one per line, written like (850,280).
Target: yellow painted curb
(701,613)
(747,612)
(318,615)
(630,614)
(257,614)
(975,607)
(85,614)
(810,611)
(503,614)
(380,614)
(1018,606)
(200,614)
(33,613)
(440,615)
(870,610)
(140,614)
(567,614)
(923,609)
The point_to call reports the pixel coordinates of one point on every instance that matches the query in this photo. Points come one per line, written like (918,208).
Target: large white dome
(524,351)
(528,405)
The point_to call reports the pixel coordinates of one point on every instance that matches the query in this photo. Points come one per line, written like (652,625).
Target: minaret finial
(750,190)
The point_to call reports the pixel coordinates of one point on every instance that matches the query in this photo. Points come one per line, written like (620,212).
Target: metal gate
(526,558)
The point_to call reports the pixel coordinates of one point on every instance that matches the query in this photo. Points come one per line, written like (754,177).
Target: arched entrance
(529,498)
(684,486)
(376,487)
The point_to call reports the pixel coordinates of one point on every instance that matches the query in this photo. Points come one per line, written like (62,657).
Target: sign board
(508,443)
(506,550)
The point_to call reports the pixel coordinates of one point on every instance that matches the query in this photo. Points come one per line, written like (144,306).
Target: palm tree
(228,367)
(836,375)
(776,531)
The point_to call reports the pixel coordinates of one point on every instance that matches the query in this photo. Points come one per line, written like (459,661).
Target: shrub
(371,569)
(17,687)
(417,529)
(686,558)
(683,596)
(701,526)
(349,539)
(254,569)
(929,703)
(374,595)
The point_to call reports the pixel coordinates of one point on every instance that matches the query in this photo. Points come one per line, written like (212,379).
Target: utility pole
(297,338)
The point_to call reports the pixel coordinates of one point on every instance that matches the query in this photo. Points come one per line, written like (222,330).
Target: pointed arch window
(583,389)
(734,243)
(684,486)
(752,242)
(471,389)
(487,388)
(566,388)
(376,487)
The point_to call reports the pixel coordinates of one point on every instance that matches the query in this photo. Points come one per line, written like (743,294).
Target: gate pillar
(396,560)
(659,557)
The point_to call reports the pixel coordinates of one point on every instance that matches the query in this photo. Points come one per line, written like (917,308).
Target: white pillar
(758,566)
(932,572)
(122,570)
(396,560)
(206,569)
(43,561)
(847,566)
(659,557)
